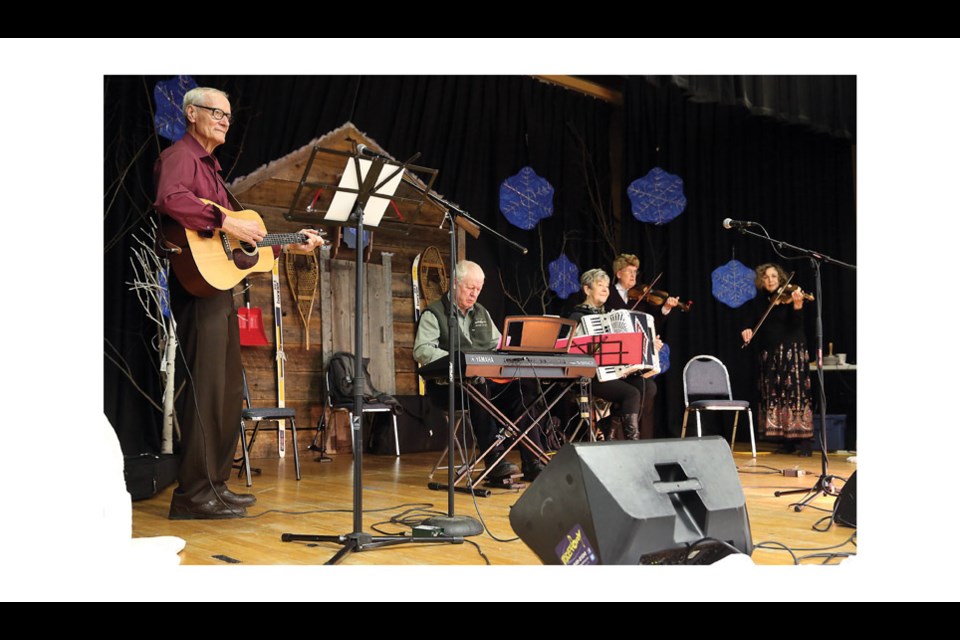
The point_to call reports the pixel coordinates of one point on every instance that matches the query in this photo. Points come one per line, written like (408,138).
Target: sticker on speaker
(575,548)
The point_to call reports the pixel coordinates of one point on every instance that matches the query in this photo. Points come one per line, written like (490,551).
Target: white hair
(593,275)
(464,267)
(196,94)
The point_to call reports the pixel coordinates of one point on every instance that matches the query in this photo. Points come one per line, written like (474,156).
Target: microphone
(364,150)
(730,223)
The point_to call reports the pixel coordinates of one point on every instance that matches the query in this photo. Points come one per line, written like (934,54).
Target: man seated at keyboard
(477,332)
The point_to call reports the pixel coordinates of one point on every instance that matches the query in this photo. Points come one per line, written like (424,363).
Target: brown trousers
(209,406)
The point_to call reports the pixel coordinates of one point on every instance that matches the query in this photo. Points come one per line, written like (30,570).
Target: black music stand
(824,483)
(595,349)
(586,405)
(360,182)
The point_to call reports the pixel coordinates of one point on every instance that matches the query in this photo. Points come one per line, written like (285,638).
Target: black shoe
(183,509)
(786,447)
(237,499)
(804,449)
(503,469)
(532,470)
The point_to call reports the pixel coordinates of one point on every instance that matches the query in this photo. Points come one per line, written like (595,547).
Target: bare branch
(521,303)
(603,217)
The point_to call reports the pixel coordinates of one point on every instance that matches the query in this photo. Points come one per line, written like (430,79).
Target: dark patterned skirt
(786,405)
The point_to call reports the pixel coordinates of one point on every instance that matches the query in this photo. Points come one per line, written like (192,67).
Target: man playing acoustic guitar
(207,327)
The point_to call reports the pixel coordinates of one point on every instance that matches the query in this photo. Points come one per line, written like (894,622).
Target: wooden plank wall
(377,327)
(389,322)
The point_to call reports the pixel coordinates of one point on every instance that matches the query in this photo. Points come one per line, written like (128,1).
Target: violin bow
(773,303)
(649,288)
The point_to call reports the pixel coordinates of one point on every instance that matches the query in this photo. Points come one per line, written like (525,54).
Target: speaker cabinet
(845,508)
(635,502)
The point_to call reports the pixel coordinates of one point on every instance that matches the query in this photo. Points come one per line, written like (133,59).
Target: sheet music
(342,204)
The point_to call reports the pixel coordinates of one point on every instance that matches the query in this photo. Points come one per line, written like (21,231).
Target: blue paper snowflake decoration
(664,358)
(564,277)
(657,197)
(168,95)
(526,199)
(350,237)
(733,284)
(162,277)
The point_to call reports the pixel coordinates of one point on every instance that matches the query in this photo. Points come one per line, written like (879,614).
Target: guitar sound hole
(244,260)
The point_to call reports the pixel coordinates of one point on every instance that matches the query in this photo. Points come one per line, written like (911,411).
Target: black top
(584,309)
(615,302)
(784,325)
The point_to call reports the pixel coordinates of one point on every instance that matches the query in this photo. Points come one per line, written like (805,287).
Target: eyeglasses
(218,114)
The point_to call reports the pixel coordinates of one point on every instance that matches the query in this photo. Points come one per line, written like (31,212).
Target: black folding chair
(706,387)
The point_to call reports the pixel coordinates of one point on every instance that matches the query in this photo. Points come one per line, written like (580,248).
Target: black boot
(616,428)
(605,427)
(787,446)
(631,427)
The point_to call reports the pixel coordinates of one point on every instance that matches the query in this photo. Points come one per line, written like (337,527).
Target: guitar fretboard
(282,238)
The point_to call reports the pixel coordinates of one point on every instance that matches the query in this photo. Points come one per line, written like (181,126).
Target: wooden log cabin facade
(389,326)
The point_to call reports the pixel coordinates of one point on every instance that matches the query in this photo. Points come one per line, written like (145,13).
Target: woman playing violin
(786,407)
(625,268)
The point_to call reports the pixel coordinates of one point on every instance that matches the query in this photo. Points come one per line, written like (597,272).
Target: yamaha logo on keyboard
(477,358)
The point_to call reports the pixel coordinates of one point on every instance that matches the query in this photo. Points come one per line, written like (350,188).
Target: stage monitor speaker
(845,508)
(639,502)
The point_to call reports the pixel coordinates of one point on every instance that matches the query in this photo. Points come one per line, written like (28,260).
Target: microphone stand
(824,483)
(452,524)
(358,540)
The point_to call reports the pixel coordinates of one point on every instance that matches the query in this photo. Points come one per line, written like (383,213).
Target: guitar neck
(282,238)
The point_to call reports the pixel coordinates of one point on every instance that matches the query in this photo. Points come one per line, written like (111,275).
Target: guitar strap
(230,197)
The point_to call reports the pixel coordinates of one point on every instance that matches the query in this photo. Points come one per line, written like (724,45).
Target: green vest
(481,327)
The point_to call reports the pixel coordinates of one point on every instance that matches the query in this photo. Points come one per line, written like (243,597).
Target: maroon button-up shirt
(184,173)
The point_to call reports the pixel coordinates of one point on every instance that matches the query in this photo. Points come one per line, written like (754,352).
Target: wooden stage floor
(322,501)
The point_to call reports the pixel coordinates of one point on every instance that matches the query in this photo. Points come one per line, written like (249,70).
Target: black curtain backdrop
(823,103)
(477,131)
(795,181)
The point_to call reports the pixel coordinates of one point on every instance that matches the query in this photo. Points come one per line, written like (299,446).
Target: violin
(786,296)
(654,296)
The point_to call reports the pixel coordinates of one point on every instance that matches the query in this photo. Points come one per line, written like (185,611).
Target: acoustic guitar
(207,265)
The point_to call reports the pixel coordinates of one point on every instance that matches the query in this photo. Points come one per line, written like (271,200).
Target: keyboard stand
(510,428)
